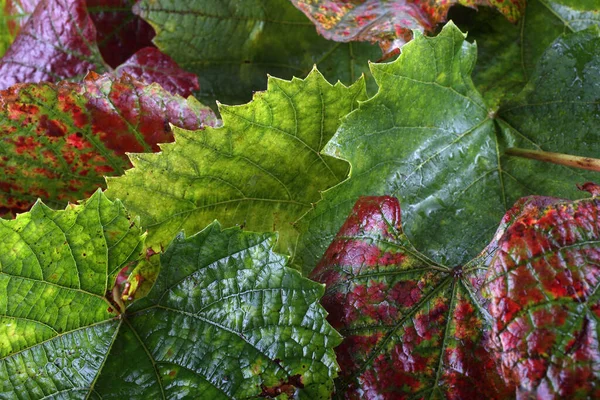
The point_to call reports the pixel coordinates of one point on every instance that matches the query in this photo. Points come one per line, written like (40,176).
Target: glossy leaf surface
(261,170)
(232,45)
(58,141)
(226,319)
(57,324)
(429,137)
(543,285)
(413,328)
(388,22)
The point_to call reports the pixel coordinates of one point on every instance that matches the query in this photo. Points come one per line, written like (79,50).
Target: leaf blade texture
(542,285)
(57,267)
(231,45)
(254,326)
(58,41)
(261,170)
(429,138)
(389,23)
(59,140)
(411,327)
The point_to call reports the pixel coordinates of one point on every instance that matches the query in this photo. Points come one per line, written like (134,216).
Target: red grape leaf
(120,33)
(17,12)
(543,284)
(57,42)
(412,327)
(150,65)
(388,22)
(59,140)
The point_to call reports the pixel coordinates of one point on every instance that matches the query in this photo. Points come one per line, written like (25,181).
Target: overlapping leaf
(59,42)
(57,324)
(429,137)
(226,318)
(58,141)
(508,53)
(388,22)
(261,170)
(417,329)
(120,33)
(412,327)
(232,45)
(543,284)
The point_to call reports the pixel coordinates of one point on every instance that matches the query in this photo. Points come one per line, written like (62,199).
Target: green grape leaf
(225,319)
(57,270)
(261,170)
(390,23)
(429,138)
(60,140)
(508,53)
(232,45)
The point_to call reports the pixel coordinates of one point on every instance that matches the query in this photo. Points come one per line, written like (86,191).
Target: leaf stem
(591,164)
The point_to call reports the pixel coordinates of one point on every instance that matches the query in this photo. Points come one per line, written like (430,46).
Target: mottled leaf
(390,23)
(232,45)
(262,170)
(57,42)
(56,321)
(429,137)
(13,15)
(543,286)
(225,320)
(59,140)
(412,328)
(151,66)
(120,33)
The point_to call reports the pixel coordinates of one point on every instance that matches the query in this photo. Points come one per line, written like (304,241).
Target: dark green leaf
(233,44)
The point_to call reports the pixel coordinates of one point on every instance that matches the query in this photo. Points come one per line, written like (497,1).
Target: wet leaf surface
(60,140)
(411,327)
(225,319)
(429,137)
(249,326)
(417,329)
(261,170)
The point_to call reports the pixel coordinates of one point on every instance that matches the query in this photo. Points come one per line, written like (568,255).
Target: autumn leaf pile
(286,199)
